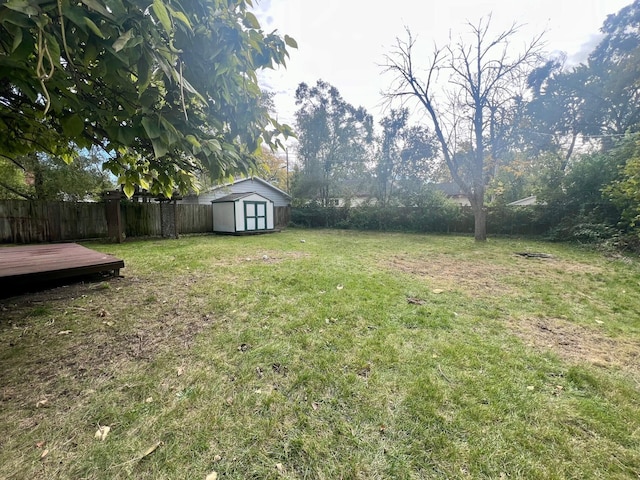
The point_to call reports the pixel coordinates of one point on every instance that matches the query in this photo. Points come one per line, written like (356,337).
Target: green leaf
(182,17)
(143,183)
(90,53)
(160,148)
(193,141)
(94,28)
(129,189)
(98,7)
(170,133)
(17,40)
(122,40)
(72,125)
(290,41)
(250,21)
(152,127)
(144,74)
(22,6)
(163,15)
(76,15)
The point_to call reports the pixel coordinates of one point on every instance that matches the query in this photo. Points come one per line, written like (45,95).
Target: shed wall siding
(239,206)
(223,217)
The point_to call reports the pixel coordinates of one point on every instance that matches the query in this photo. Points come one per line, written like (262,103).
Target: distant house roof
(450,189)
(252,179)
(242,186)
(532,200)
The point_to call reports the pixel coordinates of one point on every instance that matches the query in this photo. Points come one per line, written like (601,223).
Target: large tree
(473,108)
(44,177)
(405,156)
(334,140)
(165,88)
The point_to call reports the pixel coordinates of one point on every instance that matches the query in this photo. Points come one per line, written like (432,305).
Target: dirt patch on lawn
(56,342)
(262,256)
(476,278)
(578,344)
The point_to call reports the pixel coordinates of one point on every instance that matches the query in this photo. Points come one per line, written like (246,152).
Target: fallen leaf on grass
(152,449)
(280,468)
(180,371)
(44,454)
(64,332)
(40,444)
(279,368)
(212,476)
(437,291)
(415,301)
(102,432)
(148,400)
(340,287)
(315,405)
(531,388)
(42,403)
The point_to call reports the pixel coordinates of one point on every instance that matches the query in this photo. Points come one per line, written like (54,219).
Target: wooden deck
(30,264)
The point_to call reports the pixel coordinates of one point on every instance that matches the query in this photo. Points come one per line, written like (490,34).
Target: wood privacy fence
(33,222)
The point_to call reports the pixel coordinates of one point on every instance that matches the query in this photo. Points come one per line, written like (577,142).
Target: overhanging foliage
(165,89)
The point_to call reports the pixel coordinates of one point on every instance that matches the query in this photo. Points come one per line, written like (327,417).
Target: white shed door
(255,215)
(261,216)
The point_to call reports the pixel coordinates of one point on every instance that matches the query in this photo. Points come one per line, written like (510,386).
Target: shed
(238,213)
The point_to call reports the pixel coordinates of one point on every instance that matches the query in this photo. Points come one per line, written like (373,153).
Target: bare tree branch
(483,86)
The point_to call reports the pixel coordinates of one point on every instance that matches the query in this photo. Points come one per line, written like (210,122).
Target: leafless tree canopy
(469,90)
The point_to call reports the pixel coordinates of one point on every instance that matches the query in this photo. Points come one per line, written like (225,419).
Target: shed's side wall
(223,217)
(239,208)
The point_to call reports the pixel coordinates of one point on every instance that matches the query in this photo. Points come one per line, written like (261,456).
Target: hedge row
(503,220)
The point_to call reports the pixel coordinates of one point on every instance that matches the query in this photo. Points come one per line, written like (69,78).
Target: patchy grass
(351,355)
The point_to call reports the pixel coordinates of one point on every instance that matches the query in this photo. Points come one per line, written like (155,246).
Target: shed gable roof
(232,197)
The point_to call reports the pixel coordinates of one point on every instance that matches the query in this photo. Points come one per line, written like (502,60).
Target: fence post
(169,217)
(114,218)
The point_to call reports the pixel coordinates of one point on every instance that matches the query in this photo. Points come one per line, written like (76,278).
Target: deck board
(41,263)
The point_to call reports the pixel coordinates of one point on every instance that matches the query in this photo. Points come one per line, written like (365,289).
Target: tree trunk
(480,223)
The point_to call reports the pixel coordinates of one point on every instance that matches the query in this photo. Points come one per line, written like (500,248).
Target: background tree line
(162,96)
(504,125)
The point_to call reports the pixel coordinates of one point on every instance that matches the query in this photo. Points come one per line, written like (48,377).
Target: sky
(343,42)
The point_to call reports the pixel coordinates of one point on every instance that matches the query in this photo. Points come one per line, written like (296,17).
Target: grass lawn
(346,356)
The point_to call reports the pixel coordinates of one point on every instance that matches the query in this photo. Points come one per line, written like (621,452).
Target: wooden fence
(281,216)
(34,222)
